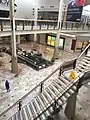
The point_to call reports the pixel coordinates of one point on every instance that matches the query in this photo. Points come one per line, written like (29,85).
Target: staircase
(42,106)
(84,64)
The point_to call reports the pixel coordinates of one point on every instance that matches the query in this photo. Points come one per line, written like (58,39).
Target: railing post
(61,24)
(60,71)
(1,25)
(23,25)
(41,87)
(20,106)
(74,64)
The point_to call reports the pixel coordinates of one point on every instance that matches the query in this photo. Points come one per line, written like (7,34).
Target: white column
(55,55)
(35,23)
(13,38)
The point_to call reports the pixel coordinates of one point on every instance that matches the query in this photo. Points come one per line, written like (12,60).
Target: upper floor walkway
(27,26)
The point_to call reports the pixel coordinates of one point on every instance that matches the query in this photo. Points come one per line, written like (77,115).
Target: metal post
(74,64)
(55,54)
(20,105)
(41,88)
(13,38)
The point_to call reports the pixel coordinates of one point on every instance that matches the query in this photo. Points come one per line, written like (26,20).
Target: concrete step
(86,61)
(40,102)
(85,64)
(45,98)
(64,80)
(51,93)
(24,116)
(33,111)
(27,113)
(46,103)
(30,112)
(48,95)
(34,108)
(87,58)
(63,99)
(58,86)
(54,89)
(61,84)
(78,68)
(82,66)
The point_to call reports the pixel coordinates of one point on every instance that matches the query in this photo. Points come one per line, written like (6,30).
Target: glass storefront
(51,41)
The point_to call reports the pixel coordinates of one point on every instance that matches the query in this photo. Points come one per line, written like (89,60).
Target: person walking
(7,86)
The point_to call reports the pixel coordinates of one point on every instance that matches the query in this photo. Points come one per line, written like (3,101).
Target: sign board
(74,11)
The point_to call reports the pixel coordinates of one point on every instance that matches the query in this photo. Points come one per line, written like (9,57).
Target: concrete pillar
(55,54)
(71,106)
(13,38)
(35,24)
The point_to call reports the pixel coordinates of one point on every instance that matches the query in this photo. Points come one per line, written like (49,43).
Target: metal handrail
(22,19)
(83,51)
(35,88)
(63,92)
(31,90)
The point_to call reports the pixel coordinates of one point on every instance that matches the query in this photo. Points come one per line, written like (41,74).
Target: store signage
(74,11)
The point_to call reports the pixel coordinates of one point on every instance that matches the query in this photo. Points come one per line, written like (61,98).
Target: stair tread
(62,77)
(27,112)
(83,66)
(23,114)
(32,109)
(51,93)
(85,60)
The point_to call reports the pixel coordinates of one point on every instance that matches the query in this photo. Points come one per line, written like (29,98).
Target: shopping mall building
(44,59)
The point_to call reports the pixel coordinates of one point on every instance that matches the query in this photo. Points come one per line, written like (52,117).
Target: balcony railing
(28,24)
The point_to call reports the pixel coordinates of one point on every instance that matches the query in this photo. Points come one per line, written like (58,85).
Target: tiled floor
(28,79)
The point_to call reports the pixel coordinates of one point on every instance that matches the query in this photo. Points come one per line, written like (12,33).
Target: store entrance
(80,45)
(50,41)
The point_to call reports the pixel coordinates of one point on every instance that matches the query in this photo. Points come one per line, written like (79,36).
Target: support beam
(71,106)
(55,54)
(13,38)
(35,24)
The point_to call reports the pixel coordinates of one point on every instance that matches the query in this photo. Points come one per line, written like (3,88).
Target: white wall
(3,7)
(48,3)
(68,43)
(25,7)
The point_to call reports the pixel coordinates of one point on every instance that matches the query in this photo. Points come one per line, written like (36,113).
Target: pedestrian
(7,85)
